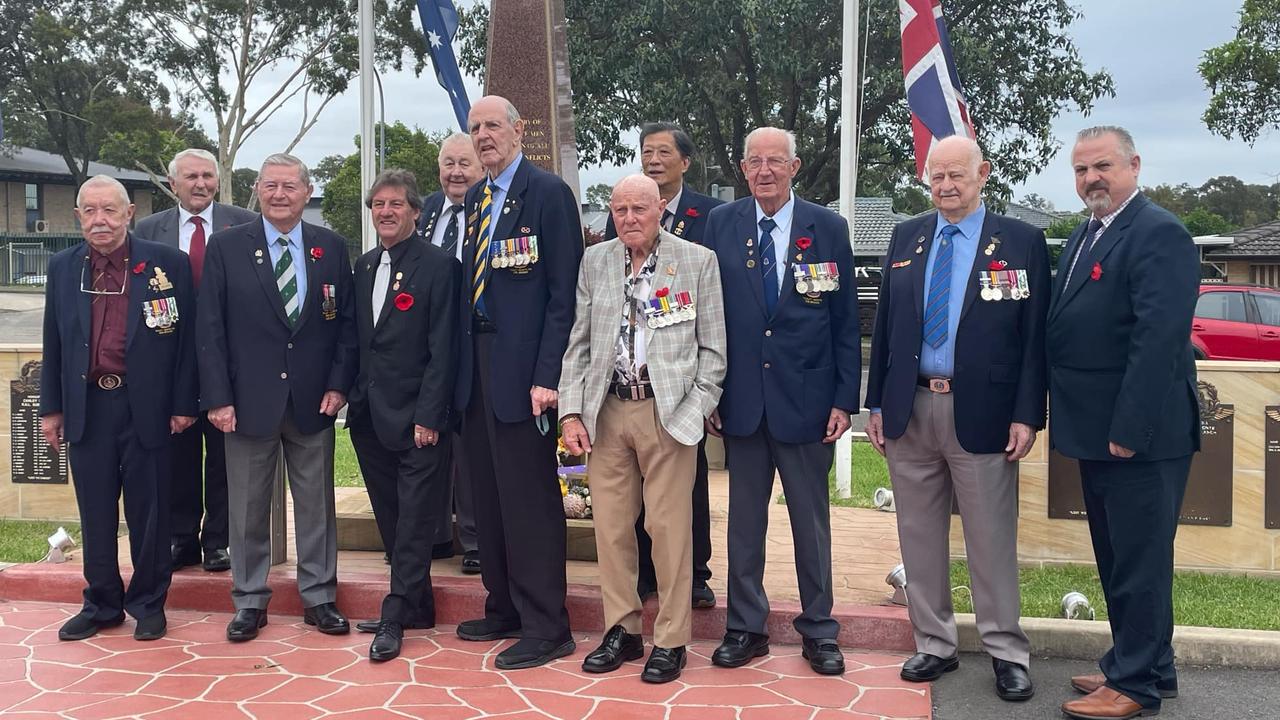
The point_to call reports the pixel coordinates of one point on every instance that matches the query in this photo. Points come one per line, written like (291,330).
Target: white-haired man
(199,458)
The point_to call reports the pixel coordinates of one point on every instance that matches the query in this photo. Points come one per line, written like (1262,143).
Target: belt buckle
(940,385)
(637,393)
(110,381)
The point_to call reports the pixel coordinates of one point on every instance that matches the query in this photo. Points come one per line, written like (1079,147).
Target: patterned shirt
(629,356)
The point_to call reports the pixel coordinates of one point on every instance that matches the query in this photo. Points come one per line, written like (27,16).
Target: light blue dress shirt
(941,361)
(781,236)
(296,251)
(503,181)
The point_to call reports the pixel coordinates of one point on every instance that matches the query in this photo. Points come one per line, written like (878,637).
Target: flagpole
(368,144)
(849,87)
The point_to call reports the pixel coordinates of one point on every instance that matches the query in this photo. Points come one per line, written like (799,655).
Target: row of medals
(1002,292)
(822,283)
(515,259)
(658,319)
(158,317)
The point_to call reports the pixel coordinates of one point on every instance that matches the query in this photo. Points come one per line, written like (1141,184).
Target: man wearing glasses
(118,378)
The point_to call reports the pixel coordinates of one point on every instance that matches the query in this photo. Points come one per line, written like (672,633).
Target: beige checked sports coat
(686,359)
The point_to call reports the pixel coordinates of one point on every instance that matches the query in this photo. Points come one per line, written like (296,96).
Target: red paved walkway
(295,673)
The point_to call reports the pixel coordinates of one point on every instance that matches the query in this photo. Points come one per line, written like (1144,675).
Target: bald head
(497,132)
(639,184)
(956,173)
(637,208)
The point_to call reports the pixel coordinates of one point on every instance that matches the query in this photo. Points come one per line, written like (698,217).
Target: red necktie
(197,249)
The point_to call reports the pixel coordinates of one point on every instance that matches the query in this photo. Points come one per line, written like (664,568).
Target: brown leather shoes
(1088,683)
(1105,704)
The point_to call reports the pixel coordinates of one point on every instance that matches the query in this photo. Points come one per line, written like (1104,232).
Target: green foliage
(242,181)
(406,149)
(1236,202)
(911,200)
(1062,228)
(598,195)
(1203,222)
(1243,75)
(723,67)
(24,541)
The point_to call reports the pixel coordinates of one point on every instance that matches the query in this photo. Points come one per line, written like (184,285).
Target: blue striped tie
(935,310)
(768,265)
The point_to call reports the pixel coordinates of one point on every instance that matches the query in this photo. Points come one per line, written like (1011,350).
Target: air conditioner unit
(42,226)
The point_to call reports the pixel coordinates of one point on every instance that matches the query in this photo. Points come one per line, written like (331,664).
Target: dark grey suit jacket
(162,227)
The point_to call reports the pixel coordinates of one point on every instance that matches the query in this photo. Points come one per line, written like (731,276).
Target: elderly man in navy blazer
(956,388)
(118,379)
(199,477)
(520,271)
(794,368)
(1122,400)
(278,354)
(666,151)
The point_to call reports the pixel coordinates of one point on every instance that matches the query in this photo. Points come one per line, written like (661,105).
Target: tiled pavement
(294,673)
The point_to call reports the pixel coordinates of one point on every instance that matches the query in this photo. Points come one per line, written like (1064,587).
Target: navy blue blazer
(160,367)
(999,370)
(249,355)
(690,221)
(532,306)
(795,366)
(431,207)
(1121,367)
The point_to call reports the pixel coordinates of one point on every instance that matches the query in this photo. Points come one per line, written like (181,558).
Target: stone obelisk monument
(528,63)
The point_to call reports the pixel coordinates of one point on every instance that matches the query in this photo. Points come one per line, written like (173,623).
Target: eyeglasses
(775,164)
(87,288)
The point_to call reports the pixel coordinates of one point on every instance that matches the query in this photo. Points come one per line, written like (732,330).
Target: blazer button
(290,346)
(767,366)
(768,333)
(284,376)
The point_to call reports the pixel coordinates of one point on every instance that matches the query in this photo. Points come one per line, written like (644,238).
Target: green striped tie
(287,281)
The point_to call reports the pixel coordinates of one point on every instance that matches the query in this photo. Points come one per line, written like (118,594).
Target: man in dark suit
(791,309)
(1122,400)
(199,477)
(277,345)
(117,380)
(956,390)
(665,152)
(520,268)
(406,315)
(442,224)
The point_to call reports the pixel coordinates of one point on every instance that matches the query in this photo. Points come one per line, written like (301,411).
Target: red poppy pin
(137,269)
(693,212)
(404,301)
(317,253)
(1096,273)
(804,242)
(662,292)
(996,265)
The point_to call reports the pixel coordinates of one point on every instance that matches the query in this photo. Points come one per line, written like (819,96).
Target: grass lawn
(24,541)
(869,472)
(346,470)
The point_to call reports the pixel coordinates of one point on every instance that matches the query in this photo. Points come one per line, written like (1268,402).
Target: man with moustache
(199,460)
(118,380)
(443,224)
(956,389)
(520,265)
(277,356)
(406,305)
(791,309)
(1122,401)
(666,151)
(642,372)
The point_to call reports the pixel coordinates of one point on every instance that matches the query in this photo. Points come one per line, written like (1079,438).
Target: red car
(1237,322)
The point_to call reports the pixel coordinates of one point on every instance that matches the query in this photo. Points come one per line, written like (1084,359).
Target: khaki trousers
(633,461)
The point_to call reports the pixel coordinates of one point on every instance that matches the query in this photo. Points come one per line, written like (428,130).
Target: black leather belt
(483,325)
(110,381)
(625,391)
(935,384)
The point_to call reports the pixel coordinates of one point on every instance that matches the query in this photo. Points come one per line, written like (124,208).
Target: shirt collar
(294,235)
(970,225)
(207,215)
(503,181)
(783,216)
(674,204)
(1110,217)
(114,259)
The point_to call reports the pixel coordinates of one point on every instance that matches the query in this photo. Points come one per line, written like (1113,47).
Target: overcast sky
(1151,48)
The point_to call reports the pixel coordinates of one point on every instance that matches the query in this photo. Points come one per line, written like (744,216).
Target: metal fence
(24,257)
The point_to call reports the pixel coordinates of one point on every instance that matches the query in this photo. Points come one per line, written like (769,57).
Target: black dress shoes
(528,652)
(483,630)
(923,667)
(327,619)
(1013,683)
(371,626)
(471,562)
(218,560)
(824,656)
(618,647)
(184,555)
(84,626)
(703,597)
(739,648)
(245,625)
(664,665)
(151,627)
(386,643)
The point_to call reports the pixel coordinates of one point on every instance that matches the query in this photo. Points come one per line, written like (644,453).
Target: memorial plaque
(1271,497)
(1209,487)
(31,458)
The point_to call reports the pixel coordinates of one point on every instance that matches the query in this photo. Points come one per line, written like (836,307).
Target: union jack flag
(937,102)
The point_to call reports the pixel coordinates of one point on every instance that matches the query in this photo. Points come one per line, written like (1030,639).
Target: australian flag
(938,106)
(439,25)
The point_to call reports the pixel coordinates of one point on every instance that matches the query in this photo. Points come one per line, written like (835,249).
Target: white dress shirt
(186,228)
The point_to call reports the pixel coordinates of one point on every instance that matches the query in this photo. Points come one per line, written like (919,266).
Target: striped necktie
(768,264)
(287,281)
(937,307)
(480,271)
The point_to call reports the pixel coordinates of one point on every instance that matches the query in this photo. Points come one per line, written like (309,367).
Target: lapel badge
(671,269)
(525,230)
(919,249)
(399,275)
(750,242)
(506,210)
(992,245)
(395,285)
(161,280)
(751,263)
(799,257)
(257,253)
(920,240)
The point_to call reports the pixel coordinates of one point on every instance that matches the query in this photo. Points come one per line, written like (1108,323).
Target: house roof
(1259,241)
(37,166)
(1032,216)
(873,222)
